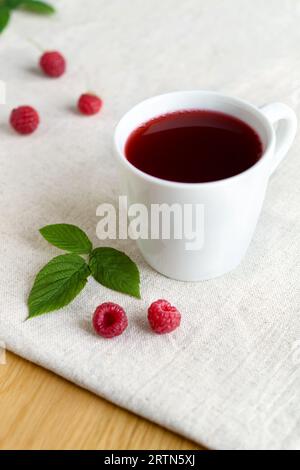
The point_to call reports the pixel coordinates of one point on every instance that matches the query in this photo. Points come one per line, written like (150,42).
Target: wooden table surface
(39,410)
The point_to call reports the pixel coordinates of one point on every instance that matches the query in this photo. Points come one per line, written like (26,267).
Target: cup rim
(177,184)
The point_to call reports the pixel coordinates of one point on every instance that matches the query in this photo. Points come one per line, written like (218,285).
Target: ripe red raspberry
(24,119)
(163,318)
(109,320)
(89,104)
(53,64)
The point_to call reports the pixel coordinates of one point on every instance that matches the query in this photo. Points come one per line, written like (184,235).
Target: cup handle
(286,130)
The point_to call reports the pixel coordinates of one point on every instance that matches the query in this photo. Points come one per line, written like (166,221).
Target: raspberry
(24,119)
(163,318)
(89,104)
(109,320)
(53,64)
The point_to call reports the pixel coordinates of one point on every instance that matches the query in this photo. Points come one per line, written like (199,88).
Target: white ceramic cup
(231,206)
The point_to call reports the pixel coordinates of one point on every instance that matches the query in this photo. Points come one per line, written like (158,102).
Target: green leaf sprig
(4,17)
(64,277)
(34,6)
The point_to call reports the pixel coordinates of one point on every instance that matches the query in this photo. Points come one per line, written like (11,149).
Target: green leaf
(115,270)
(67,237)
(4,17)
(12,4)
(37,7)
(57,284)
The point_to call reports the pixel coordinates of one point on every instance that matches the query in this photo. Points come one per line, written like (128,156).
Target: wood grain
(39,410)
